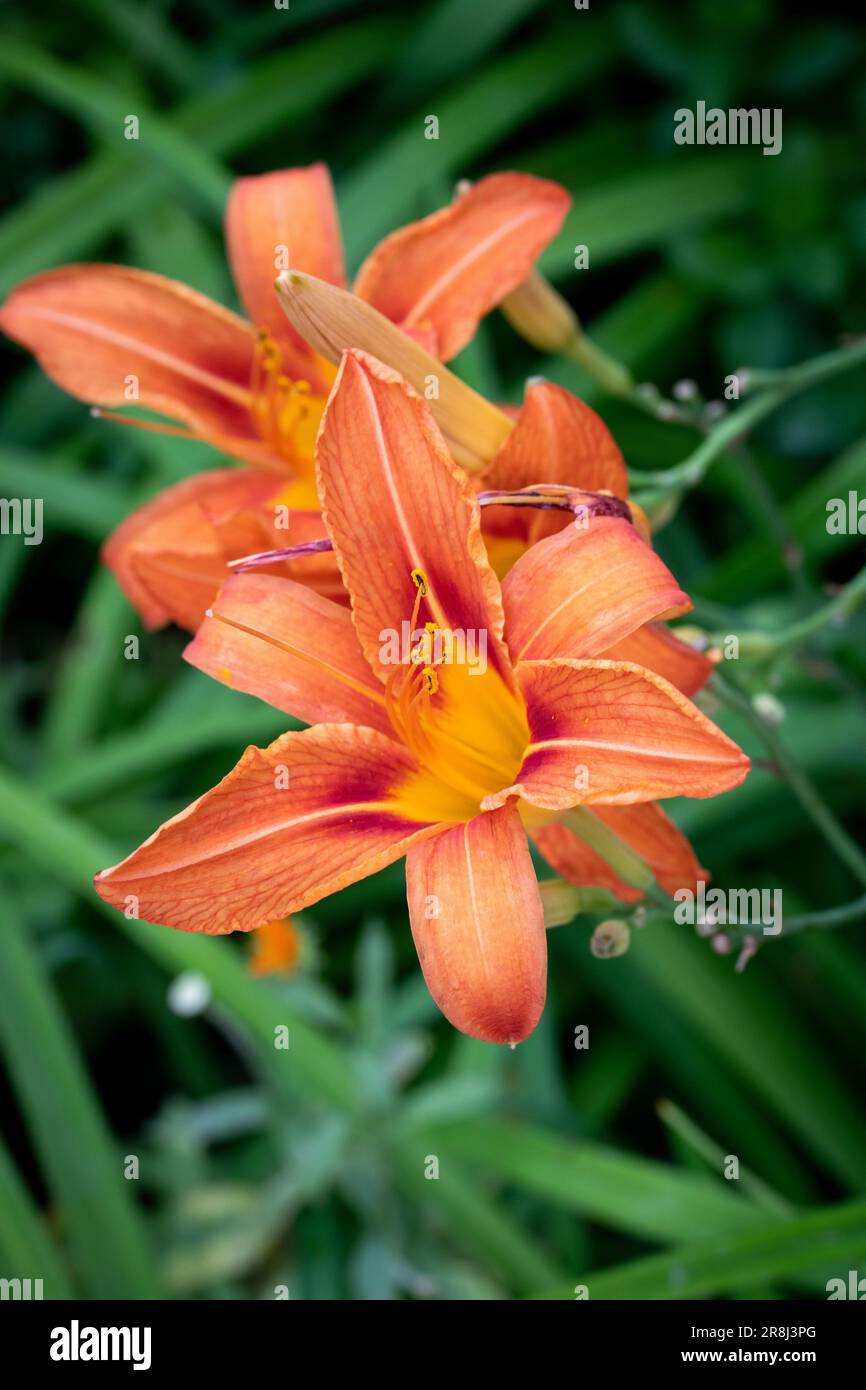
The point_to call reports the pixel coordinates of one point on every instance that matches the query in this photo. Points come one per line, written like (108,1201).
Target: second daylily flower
(448,764)
(115,336)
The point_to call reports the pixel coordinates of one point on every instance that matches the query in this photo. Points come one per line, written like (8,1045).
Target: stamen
(155,426)
(419,579)
(226,441)
(333,671)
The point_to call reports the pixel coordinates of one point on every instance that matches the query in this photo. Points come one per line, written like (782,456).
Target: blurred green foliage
(261,1167)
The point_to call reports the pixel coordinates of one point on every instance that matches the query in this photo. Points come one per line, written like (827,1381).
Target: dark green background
(306,1168)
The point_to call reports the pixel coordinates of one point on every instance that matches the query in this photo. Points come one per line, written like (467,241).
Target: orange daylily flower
(557,439)
(275,948)
(112,335)
(448,763)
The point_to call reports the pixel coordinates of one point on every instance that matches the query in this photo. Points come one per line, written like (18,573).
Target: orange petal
(289,824)
(580,591)
(448,270)
(660,650)
(611,732)
(289,646)
(478,926)
(558,439)
(395,503)
(646,829)
(105,331)
(275,221)
(169,555)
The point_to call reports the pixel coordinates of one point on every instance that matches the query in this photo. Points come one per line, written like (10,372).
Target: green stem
(615,852)
(611,375)
(828,917)
(760,645)
(818,812)
(776,388)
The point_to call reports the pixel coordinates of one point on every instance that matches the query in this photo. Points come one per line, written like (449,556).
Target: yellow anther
(431,680)
(419,579)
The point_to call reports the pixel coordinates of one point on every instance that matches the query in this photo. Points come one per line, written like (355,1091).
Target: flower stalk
(541,315)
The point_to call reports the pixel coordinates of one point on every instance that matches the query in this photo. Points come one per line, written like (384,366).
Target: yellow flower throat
(466,727)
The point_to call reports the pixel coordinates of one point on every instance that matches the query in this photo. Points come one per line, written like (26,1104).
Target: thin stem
(828,917)
(616,853)
(760,645)
(816,809)
(776,387)
(611,375)
(846,602)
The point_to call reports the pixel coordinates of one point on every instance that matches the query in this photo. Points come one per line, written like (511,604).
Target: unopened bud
(771,710)
(331,320)
(539,314)
(560,901)
(610,939)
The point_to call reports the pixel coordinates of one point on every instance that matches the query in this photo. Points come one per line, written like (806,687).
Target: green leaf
(645,209)
(79,1159)
(26,1250)
(766,1042)
(385,189)
(637,1195)
(85,506)
(71,853)
(76,211)
(96,103)
(832,1239)
(474,1221)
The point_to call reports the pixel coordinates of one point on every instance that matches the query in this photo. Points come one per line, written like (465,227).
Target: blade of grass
(72,853)
(750,1023)
(385,189)
(473,1220)
(73,502)
(690,1063)
(118,761)
(833,1238)
(645,208)
(443,44)
(714,1155)
(148,34)
(755,561)
(83,687)
(640,1196)
(97,104)
(79,1158)
(81,208)
(26,1249)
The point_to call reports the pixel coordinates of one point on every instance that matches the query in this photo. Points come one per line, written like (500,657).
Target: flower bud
(332,320)
(539,314)
(610,939)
